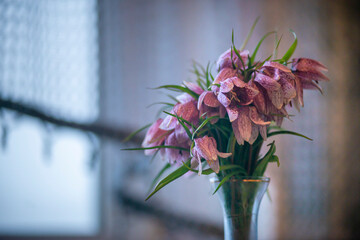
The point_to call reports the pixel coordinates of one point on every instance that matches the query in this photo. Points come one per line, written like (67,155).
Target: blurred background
(74,79)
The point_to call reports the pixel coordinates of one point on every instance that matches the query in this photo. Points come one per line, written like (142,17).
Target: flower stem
(249,160)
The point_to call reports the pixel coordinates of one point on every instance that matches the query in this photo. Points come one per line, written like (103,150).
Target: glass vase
(240,200)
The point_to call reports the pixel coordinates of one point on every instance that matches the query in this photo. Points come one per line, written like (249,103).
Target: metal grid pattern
(48,55)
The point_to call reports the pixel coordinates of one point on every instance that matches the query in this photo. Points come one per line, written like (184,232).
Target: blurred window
(48,58)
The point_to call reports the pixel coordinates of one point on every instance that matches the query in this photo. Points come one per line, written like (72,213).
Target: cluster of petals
(238,99)
(276,85)
(250,105)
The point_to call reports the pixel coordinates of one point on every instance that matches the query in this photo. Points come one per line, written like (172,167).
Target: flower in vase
(206,148)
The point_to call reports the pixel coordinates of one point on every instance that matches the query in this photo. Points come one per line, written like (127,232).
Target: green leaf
(259,44)
(178,88)
(262,163)
(158,176)
(184,126)
(136,132)
(277,43)
(232,36)
(240,58)
(275,158)
(164,103)
(249,34)
(162,109)
(288,132)
(182,119)
(171,177)
(209,171)
(232,60)
(291,49)
(208,82)
(173,98)
(156,147)
(202,125)
(226,178)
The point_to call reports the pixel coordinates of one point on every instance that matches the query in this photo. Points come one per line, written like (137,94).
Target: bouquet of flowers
(219,122)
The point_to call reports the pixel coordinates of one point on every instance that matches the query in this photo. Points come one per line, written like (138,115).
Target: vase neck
(240,200)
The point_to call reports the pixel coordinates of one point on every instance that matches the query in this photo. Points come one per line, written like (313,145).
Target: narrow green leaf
(158,176)
(240,58)
(162,109)
(184,126)
(156,147)
(134,133)
(262,163)
(225,179)
(156,103)
(275,158)
(232,60)
(173,98)
(171,177)
(207,74)
(259,44)
(291,49)
(182,119)
(232,166)
(202,125)
(154,155)
(209,171)
(249,34)
(288,132)
(178,88)
(232,36)
(212,78)
(277,46)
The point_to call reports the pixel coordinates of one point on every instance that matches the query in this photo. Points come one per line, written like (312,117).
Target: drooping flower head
(177,156)
(155,136)
(276,85)
(209,106)
(178,136)
(206,148)
(225,60)
(308,73)
(187,111)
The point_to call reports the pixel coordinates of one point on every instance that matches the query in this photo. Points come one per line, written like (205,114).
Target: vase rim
(243,179)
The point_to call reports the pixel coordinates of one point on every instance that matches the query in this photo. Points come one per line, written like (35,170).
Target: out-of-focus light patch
(40,195)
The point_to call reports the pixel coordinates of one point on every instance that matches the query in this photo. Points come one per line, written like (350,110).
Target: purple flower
(206,148)
(223,75)
(154,137)
(233,93)
(248,124)
(209,105)
(278,81)
(224,60)
(187,111)
(308,72)
(176,155)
